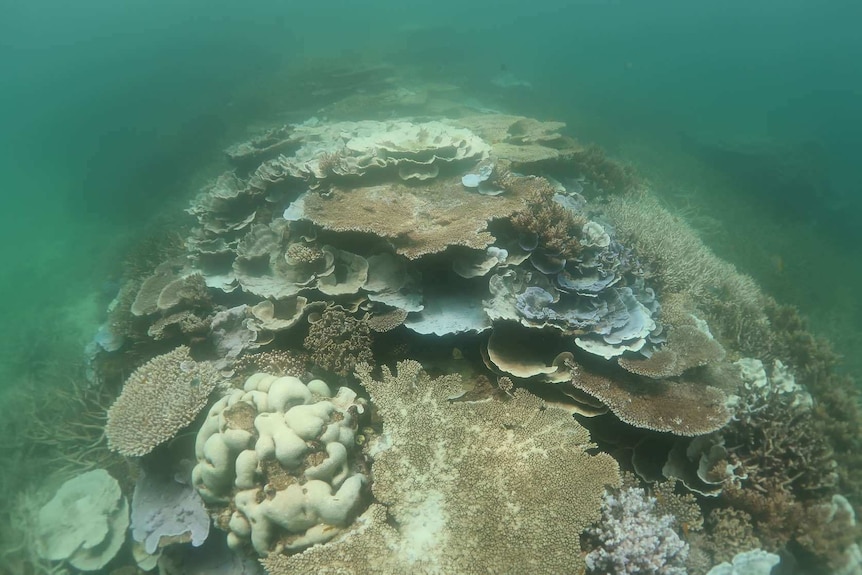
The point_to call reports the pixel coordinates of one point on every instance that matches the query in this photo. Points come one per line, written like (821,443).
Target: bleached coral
(632,539)
(282,453)
(85,523)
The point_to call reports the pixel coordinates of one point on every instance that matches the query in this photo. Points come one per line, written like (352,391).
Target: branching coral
(159,399)
(557,228)
(607,175)
(338,341)
(633,539)
(731,302)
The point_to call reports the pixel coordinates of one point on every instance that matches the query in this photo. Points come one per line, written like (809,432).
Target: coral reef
(158,400)
(632,539)
(282,454)
(497,248)
(85,522)
(458,482)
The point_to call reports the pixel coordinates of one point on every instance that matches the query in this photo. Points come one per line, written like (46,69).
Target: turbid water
(745,119)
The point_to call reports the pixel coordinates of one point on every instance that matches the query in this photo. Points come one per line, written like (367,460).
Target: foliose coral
(85,522)
(166,511)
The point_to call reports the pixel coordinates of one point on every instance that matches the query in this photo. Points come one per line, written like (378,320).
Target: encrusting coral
(158,400)
(465,487)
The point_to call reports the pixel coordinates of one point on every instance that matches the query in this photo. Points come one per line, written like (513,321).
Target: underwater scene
(430,287)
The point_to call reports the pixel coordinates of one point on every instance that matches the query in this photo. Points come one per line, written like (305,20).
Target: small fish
(777,263)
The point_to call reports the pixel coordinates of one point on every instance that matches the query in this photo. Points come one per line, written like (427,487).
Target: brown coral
(159,399)
(467,488)
(687,347)
(556,227)
(338,341)
(680,407)
(416,219)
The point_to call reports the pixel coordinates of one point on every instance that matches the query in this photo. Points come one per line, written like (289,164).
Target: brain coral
(282,454)
(466,488)
(159,399)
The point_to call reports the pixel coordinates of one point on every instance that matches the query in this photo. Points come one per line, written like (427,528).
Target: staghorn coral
(632,538)
(607,175)
(730,302)
(467,488)
(774,440)
(730,531)
(159,399)
(337,341)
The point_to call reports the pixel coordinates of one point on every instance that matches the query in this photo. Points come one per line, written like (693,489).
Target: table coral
(467,488)
(158,400)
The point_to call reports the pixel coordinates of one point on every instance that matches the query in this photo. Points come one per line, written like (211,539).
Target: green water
(745,116)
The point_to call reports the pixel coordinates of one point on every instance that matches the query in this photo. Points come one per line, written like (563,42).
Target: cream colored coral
(413,150)
(466,488)
(159,399)
(282,452)
(85,522)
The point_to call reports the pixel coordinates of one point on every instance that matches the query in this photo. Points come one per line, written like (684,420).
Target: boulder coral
(279,459)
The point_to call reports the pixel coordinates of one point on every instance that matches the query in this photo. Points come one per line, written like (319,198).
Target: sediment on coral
(457,482)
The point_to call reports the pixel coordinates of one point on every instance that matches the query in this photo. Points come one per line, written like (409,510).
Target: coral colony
(461,345)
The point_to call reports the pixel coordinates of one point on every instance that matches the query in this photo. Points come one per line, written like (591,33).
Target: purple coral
(632,539)
(165,508)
